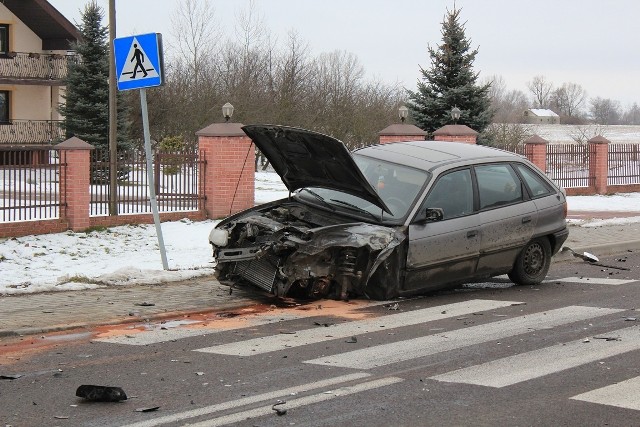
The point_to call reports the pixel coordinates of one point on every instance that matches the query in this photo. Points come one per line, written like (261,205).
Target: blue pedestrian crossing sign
(139,61)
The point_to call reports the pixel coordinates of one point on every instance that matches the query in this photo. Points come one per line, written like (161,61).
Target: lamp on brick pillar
(227,111)
(456,132)
(403,112)
(229,173)
(455,114)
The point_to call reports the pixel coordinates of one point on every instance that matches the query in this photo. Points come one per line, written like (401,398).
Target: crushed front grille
(261,272)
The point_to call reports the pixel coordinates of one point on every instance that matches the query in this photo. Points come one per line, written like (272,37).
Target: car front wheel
(533,263)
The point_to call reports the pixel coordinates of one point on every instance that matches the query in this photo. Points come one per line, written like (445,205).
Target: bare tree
(632,115)
(508,105)
(290,81)
(507,136)
(583,133)
(195,31)
(568,100)
(267,82)
(605,111)
(541,90)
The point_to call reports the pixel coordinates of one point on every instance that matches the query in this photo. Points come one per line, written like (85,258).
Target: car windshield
(396,184)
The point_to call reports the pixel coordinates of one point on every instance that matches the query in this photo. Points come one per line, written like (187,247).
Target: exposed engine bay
(289,249)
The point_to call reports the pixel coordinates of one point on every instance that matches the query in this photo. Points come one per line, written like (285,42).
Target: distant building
(541,116)
(35,49)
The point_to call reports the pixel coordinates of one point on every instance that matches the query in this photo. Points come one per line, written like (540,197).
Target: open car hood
(304,158)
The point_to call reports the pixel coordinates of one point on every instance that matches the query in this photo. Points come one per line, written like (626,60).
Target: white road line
(387,354)
(623,395)
(534,364)
(343,330)
(284,393)
(297,403)
(594,281)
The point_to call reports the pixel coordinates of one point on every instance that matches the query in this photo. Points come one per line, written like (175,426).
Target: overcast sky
(594,43)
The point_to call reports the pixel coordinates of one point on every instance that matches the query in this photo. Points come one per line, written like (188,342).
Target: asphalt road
(566,352)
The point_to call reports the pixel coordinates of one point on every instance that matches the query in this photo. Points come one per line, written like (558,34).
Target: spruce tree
(86,108)
(451,82)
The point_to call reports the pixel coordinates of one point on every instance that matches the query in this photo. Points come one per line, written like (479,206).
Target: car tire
(533,263)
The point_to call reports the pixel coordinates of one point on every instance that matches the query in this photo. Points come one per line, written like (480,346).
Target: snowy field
(563,134)
(129,255)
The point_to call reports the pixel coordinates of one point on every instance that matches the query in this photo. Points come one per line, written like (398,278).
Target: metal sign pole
(152,190)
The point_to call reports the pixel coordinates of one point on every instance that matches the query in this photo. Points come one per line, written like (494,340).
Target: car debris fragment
(608,338)
(10,376)
(98,393)
(586,256)
(150,409)
(279,411)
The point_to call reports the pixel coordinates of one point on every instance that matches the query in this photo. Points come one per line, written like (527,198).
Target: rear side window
(535,182)
(498,185)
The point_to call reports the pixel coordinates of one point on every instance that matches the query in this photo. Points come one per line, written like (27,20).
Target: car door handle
(471,234)
(526,219)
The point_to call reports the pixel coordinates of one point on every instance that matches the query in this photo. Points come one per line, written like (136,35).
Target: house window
(4,39)
(4,106)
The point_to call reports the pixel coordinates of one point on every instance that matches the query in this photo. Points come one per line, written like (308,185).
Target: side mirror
(433,214)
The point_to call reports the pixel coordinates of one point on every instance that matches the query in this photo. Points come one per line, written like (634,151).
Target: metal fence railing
(568,165)
(29,184)
(177,177)
(33,65)
(623,164)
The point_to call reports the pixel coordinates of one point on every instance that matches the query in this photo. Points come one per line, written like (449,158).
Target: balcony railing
(36,66)
(31,132)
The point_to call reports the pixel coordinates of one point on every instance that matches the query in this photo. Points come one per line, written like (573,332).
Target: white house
(35,49)
(541,116)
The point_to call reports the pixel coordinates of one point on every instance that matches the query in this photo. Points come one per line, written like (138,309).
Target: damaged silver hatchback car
(390,220)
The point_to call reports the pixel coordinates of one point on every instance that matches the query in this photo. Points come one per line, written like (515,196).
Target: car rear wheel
(533,263)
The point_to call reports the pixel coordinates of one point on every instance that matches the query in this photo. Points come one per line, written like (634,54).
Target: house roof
(543,112)
(56,31)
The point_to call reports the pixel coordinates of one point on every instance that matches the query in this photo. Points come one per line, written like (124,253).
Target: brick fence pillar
(599,162)
(456,133)
(75,182)
(229,182)
(536,151)
(401,132)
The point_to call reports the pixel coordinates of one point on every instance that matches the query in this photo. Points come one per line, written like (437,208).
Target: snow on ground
(129,255)
(564,134)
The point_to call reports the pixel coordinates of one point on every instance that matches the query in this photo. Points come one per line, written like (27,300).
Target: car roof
(428,155)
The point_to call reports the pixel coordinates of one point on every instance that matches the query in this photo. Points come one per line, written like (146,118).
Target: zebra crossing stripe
(243,416)
(174,330)
(395,352)
(534,364)
(312,336)
(593,281)
(623,395)
(237,403)
(164,332)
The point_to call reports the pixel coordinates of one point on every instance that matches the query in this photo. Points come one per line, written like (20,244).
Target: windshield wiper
(357,208)
(319,197)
